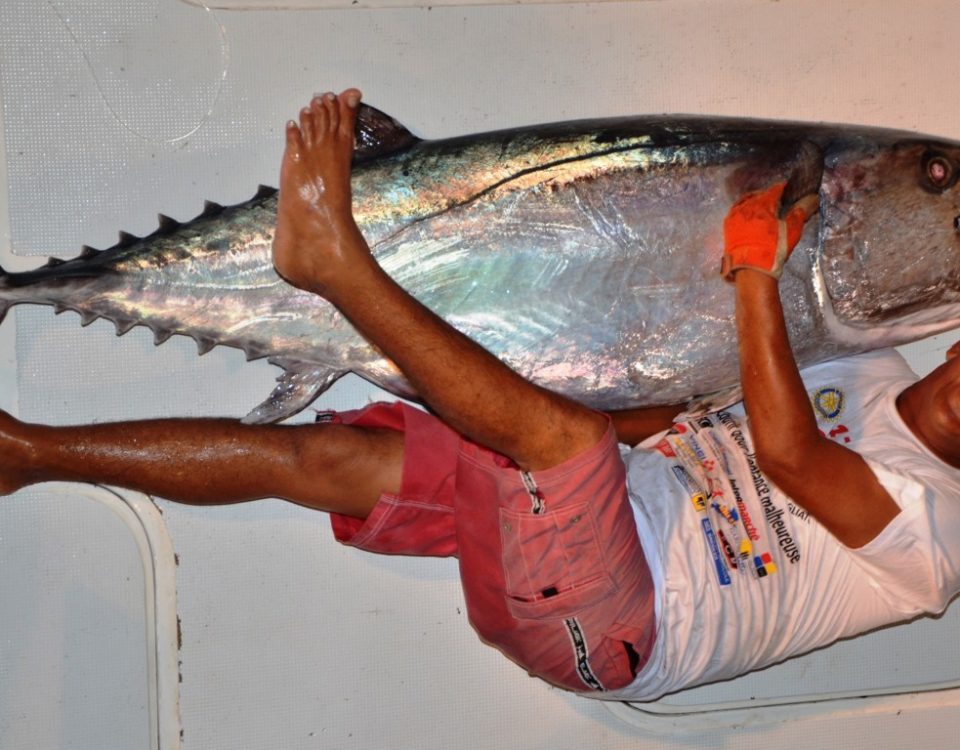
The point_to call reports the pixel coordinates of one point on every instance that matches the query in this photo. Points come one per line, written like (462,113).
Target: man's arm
(633,426)
(318,247)
(830,481)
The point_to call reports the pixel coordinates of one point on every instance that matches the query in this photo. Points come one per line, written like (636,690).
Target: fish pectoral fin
(710,402)
(803,184)
(296,388)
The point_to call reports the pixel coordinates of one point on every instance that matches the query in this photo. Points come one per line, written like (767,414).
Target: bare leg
(318,247)
(210,461)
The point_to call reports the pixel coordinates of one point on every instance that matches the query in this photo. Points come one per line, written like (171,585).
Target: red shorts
(552,570)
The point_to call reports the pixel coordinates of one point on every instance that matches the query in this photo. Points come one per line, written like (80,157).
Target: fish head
(890,235)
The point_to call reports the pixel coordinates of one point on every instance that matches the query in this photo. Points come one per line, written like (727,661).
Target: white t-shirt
(745,577)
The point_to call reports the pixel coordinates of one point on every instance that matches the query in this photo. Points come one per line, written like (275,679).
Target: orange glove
(756,237)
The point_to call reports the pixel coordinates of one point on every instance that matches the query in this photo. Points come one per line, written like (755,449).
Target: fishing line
(204,119)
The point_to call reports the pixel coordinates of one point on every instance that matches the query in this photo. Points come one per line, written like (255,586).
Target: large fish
(585,255)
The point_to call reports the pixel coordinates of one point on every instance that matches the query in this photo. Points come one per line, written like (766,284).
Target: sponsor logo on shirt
(764,565)
(664,447)
(839,434)
(727,549)
(828,403)
(706,462)
(702,423)
(796,510)
(697,497)
(772,514)
(722,575)
(744,513)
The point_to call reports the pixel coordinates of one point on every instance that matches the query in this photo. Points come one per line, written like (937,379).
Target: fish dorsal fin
(378,134)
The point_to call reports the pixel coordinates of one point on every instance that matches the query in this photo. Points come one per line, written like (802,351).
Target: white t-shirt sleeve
(902,560)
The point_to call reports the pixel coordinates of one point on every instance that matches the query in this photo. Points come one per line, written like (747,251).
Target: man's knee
(562,434)
(345,468)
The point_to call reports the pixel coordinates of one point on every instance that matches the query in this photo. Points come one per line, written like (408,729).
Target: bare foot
(317,240)
(16,454)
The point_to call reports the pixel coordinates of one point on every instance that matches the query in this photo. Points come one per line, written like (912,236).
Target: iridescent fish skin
(585,255)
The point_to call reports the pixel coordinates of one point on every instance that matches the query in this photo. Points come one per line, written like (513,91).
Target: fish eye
(938,171)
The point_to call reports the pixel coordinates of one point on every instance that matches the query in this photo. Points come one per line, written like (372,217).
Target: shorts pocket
(552,562)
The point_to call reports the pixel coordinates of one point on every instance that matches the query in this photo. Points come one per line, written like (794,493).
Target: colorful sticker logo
(664,447)
(764,565)
(828,403)
(722,575)
(697,497)
(727,549)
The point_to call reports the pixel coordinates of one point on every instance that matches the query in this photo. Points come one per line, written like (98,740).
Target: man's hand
(756,237)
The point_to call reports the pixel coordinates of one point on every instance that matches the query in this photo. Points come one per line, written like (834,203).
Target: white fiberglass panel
(87,626)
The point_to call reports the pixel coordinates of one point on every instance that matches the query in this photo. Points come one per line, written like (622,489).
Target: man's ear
(953,351)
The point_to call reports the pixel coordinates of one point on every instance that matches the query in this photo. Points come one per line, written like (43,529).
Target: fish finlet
(211,209)
(160,335)
(88,252)
(265,191)
(127,239)
(204,345)
(54,262)
(167,224)
(86,318)
(123,326)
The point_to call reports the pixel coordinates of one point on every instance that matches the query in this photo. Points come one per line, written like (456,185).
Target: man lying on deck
(825,505)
